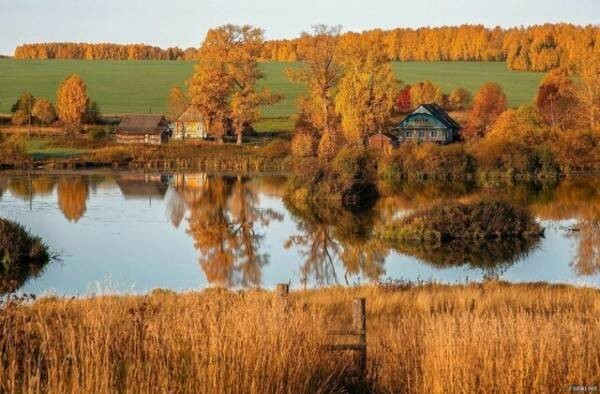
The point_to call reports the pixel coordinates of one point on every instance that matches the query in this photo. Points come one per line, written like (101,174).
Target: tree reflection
(72,196)
(31,185)
(224,221)
(328,234)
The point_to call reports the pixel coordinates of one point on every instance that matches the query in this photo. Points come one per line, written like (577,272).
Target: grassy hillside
(142,86)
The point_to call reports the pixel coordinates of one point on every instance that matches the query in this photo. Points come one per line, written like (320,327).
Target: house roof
(142,124)
(191,114)
(440,114)
(385,135)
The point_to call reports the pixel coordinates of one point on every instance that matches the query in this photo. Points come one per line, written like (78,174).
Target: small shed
(143,129)
(190,125)
(383,141)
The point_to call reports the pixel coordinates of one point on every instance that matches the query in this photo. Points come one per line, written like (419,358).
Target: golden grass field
(476,338)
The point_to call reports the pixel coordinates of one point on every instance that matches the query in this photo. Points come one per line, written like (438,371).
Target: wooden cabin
(190,125)
(143,129)
(383,141)
(428,122)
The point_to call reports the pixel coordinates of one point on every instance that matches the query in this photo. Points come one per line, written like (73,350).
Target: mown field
(477,338)
(143,86)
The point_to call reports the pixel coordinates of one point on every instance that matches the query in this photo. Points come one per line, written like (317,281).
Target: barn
(428,122)
(143,129)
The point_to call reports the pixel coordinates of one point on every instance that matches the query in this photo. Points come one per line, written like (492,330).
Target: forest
(532,48)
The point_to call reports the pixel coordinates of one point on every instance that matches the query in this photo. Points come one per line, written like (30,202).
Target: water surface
(136,231)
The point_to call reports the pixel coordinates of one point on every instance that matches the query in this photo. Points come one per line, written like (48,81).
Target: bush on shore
(21,255)
(475,221)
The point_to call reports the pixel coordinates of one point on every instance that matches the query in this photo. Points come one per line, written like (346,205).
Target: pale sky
(184,23)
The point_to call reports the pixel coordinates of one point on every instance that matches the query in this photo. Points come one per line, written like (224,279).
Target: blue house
(429,122)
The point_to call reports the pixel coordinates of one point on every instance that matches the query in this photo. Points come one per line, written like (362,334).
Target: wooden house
(143,129)
(428,122)
(383,141)
(190,125)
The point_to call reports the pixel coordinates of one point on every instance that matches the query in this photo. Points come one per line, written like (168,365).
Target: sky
(184,23)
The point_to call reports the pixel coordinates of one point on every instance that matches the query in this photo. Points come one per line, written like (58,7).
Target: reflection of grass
(421,339)
(43,149)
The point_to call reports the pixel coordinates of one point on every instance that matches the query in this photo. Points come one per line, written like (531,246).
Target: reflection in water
(72,196)
(493,257)
(327,234)
(227,221)
(224,221)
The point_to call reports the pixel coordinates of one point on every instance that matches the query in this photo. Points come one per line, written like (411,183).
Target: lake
(121,231)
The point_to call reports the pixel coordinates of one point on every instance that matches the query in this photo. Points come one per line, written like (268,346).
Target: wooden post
(283,290)
(359,324)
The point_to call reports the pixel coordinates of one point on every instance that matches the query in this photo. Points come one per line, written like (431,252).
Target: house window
(408,134)
(421,134)
(433,134)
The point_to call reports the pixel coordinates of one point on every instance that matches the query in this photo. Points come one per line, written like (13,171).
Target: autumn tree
(320,75)
(44,111)
(556,99)
(177,102)
(588,91)
(403,103)
(224,83)
(425,93)
(366,92)
(459,99)
(72,102)
(489,102)
(22,110)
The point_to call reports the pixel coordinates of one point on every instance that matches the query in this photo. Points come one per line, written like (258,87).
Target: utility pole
(29,118)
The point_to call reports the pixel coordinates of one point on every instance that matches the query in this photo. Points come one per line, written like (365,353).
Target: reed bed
(476,338)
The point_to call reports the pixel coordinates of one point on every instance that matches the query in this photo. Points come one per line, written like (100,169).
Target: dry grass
(436,339)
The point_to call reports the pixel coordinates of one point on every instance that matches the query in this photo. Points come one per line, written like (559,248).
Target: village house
(143,129)
(190,125)
(383,141)
(428,122)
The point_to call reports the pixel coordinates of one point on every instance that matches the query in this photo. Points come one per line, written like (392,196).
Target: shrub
(304,145)
(473,221)
(578,150)
(414,161)
(98,133)
(21,255)
(14,148)
(276,149)
(354,165)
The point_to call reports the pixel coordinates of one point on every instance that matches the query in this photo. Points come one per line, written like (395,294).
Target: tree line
(532,48)
(102,51)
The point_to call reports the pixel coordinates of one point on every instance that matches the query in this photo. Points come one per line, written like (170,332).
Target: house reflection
(143,186)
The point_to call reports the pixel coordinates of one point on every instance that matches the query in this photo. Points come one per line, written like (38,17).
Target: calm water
(135,231)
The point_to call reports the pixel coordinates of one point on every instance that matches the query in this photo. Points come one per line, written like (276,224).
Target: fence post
(283,290)
(359,324)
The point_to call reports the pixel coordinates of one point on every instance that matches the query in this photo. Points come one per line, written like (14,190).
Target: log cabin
(428,122)
(143,129)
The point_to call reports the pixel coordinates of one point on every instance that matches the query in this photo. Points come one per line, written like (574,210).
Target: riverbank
(62,152)
(491,337)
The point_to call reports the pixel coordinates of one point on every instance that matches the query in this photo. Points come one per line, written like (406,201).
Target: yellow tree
(320,75)
(425,93)
(367,91)
(210,85)
(556,99)
(588,91)
(177,102)
(72,102)
(44,111)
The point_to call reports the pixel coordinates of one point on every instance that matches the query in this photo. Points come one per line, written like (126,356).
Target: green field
(143,86)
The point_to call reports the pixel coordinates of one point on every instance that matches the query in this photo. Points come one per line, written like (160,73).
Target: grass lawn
(143,86)
(42,149)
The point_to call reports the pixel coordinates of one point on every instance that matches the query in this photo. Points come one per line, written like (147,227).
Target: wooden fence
(358,330)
